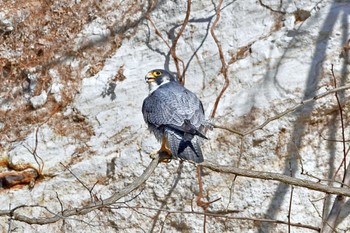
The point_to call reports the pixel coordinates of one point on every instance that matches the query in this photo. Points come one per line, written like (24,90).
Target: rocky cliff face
(72,132)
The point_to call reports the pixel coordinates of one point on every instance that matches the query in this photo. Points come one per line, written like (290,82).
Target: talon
(165,156)
(153,154)
(164,153)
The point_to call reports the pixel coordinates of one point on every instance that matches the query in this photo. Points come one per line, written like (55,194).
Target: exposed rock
(86,63)
(39,100)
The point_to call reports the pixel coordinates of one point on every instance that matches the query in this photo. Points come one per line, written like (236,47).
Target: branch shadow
(291,165)
(171,33)
(334,122)
(167,196)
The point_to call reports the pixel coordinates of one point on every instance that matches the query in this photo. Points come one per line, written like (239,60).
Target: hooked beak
(150,77)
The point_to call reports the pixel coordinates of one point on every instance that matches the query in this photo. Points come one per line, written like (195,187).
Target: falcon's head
(158,77)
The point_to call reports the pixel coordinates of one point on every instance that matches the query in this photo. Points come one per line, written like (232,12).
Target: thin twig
(324,180)
(342,123)
(329,224)
(222,59)
(90,190)
(181,77)
(158,33)
(59,200)
(139,212)
(162,228)
(41,166)
(278,116)
(216,215)
(270,8)
(201,203)
(290,201)
(290,208)
(332,140)
(200,196)
(35,154)
(87,208)
(9,225)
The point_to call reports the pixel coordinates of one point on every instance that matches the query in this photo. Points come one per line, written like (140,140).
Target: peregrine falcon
(175,115)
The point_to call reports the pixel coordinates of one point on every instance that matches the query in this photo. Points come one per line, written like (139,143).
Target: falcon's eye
(158,73)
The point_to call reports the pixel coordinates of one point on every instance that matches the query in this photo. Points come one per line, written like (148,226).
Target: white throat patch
(152,86)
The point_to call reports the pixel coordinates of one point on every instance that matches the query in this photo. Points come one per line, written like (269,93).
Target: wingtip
(184,149)
(192,152)
(202,135)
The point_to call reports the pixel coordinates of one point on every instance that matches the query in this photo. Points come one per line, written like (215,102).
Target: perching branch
(277,177)
(147,173)
(84,209)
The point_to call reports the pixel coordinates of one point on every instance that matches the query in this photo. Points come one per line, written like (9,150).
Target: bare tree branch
(173,46)
(158,33)
(331,221)
(201,203)
(290,201)
(90,190)
(342,125)
(215,214)
(177,60)
(84,209)
(278,116)
(147,173)
(270,8)
(222,59)
(277,177)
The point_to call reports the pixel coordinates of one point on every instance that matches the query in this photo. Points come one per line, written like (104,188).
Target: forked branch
(280,115)
(84,209)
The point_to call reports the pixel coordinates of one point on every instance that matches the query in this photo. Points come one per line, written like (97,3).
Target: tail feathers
(187,128)
(183,148)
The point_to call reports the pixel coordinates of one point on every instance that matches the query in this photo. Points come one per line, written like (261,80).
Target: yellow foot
(164,155)
(154,154)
